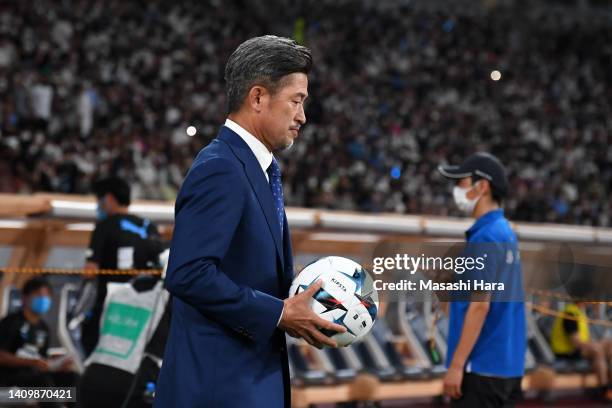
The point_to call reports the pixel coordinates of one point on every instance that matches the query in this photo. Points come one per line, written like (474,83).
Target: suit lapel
(258,182)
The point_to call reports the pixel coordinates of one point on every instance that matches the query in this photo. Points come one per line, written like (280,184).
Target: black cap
(480,166)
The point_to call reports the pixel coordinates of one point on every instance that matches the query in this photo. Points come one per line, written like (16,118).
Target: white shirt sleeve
(281,316)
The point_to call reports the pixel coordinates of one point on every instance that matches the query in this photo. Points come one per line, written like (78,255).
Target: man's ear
(256,97)
(485,187)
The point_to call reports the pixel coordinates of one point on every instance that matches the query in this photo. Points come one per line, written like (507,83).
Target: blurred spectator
(571,339)
(24,343)
(395,90)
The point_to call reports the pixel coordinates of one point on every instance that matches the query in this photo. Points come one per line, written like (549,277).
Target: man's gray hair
(263,61)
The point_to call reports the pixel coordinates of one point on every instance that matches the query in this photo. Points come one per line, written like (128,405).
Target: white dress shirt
(262,154)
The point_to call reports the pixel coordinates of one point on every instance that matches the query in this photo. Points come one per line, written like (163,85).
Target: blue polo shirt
(501,345)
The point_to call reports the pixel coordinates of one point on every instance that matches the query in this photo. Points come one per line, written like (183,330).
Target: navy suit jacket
(228,271)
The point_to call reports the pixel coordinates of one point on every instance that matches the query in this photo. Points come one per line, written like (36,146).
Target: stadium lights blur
(446,227)
(16,224)
(349,222)
(191,131)
(160,213)
(298,217)
(87,210)
(344,237)
(361,222)
(80,226)
(301,217)
(545,232)
(604,235)
(496,75)
(73,209)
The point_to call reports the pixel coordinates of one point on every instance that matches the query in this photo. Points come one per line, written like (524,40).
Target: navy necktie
(276,186)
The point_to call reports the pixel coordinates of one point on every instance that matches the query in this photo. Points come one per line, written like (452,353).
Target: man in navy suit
(230,263)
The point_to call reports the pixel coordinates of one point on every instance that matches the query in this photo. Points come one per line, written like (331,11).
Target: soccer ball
(347,296)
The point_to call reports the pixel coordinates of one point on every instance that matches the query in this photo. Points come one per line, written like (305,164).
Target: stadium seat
(11,300)
(70,337)
(530,361)
(303,367)
(374,359)
(388,341)
(342,371)
(436,352)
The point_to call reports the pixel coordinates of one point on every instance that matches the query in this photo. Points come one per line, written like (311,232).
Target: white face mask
(463,203)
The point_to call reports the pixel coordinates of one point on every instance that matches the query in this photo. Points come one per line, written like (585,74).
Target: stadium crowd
(92,88)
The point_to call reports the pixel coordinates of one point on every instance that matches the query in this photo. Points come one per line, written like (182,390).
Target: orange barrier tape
(550,312)
(561,296)
(81,271)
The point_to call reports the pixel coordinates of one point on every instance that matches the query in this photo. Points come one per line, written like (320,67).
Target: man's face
(473,189)
(283,113)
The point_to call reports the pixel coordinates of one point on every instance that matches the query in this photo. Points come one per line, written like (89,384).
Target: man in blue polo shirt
(487,336)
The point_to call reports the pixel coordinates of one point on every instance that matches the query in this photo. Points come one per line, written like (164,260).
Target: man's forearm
(575,340)
(472,325)
(10,360)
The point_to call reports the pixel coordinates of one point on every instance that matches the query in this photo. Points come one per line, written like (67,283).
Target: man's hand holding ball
(300,321)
